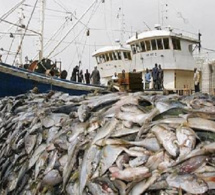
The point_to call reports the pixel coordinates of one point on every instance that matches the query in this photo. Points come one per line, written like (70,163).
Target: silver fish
(167,138)
(129,174)
(105,130)
(109,155)
(144,185)
(52,178)
(186,139)
(84,112)
(30,141)
(89,164)
(189,183)
(36,155)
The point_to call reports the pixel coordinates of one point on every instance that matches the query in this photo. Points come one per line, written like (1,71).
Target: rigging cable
(10,47)
(71,29)
(95,9)
(11,11)
(20,45)
(73,15)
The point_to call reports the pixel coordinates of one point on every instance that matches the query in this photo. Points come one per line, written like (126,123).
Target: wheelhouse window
(166,43)
(103,58)
(176,44)
(119,55)
(110,56)
(98,60)
(137,47)
(142,46)
(159,44)
(114,56)
(133,48)
(148,45)
(153,43)
(127,55)
(107,57)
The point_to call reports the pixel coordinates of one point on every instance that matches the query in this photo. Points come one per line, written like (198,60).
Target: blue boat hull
(15,81)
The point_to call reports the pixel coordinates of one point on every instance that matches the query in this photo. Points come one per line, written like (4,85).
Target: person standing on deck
(160,77)
(80,77)
(87,77)
(147,79)
(155,76)
(196,79)
(75,73)
(95,76)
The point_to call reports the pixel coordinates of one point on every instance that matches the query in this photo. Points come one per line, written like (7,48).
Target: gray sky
(105,21)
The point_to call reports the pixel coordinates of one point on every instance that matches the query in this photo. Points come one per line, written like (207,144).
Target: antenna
(159,11)
(164,13)
(200,45)
(120,15)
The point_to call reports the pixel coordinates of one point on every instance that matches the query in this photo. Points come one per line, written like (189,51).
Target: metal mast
(20,30)
(42,21)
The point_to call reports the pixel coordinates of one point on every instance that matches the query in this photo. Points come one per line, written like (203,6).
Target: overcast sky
(105,21)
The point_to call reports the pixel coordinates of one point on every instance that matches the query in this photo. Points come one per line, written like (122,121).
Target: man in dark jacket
(75,74)
(155,76)
(160,77)
(87,77)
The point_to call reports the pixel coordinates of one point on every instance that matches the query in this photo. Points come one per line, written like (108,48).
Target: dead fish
(140,160)
(167,139)
(129,174)
(30,141)
(65,109)
(186,139)
(192,164)
(154,160)
(89,164)
(52,160)
(105,130)
(139,119)
(109,155)
(121,131)
(189,183)
(84,112)
(121,186)
(53,119)
(52,178)
(40,163)
(150,143)
(145,184)
(209,178)
(122,160)
(36,155)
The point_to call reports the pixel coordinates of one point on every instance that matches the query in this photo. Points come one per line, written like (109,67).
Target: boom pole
(42,19)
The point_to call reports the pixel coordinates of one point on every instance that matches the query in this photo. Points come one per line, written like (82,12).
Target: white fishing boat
(111,60)
(170,48)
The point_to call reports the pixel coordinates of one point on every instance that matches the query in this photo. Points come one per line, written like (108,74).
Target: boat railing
(183,33)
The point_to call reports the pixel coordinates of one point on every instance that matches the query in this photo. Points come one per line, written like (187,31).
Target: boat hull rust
(15,81)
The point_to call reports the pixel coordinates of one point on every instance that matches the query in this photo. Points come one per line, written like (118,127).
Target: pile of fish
(115,143)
